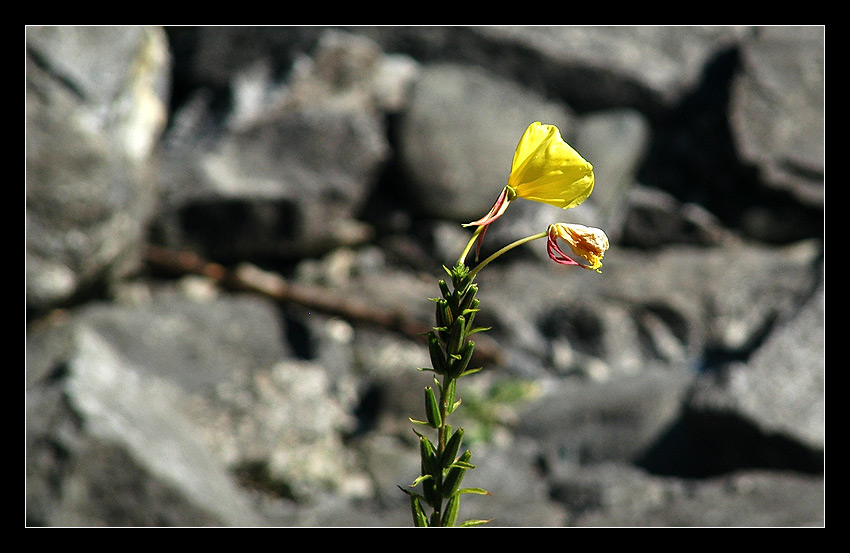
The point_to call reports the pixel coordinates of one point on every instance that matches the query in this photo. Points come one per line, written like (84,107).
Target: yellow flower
(588,243)
(547,169)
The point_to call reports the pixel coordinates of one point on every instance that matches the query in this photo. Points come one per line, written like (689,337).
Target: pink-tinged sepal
(495,212)
(555,252)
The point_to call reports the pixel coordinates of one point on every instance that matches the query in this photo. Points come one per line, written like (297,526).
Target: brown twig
(247,277)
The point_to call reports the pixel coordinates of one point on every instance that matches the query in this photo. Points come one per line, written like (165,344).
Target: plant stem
(478,230)
(504,250)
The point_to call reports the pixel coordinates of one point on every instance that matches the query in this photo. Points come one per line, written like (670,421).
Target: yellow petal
(546,169)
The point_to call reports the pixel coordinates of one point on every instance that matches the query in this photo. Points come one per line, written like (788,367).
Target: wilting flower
(587,243)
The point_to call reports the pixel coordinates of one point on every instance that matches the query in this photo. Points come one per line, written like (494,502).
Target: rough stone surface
(778,120)
(95,108)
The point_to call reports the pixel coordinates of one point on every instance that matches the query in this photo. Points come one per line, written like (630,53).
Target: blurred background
(231,236)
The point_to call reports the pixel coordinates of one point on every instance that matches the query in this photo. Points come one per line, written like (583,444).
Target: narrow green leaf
(469,372)
(420,479)
(474,522)
(477,491)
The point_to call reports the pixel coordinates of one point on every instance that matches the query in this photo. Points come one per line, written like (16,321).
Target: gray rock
(212,56)
(286,173)
(640,66)
(721,301)
(197,399)
(283,187)
(612,495)
(519,500)
(229,335)
(95,108)
(130,458)
(649,218)
(781,387)
(458,137)
(777,109)
(615,142)
(577,422)
(671,307)
(628,64)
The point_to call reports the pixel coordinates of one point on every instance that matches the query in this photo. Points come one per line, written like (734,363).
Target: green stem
(478,230)
(444,413)
(504,250)
(441,447)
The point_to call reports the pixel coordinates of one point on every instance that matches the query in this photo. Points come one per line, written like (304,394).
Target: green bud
(443,317)
(466,302)
(457,335)
(438,358)
(429,490)
(452,448)
(453,478)
(470,312)
(459,272)
(464,283)
(444,289)
(428,457)
(432,408)
(419,518)
(459,365)
(450,514)
(450,395)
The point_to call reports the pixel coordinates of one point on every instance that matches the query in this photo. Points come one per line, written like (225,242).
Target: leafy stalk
(450,349)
